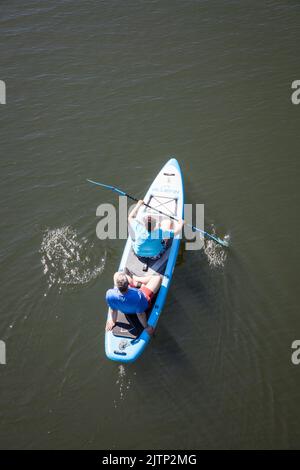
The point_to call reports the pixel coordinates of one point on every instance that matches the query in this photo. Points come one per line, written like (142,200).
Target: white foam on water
(68,259)
(216,254)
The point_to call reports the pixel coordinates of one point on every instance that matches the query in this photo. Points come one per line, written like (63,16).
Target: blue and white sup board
(127,340)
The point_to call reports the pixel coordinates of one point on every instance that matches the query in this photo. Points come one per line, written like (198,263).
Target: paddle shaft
(208,235)
(175,218)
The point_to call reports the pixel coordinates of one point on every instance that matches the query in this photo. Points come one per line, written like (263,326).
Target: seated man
(128,298)
(150,236)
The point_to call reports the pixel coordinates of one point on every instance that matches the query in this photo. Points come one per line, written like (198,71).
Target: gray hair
(121,281)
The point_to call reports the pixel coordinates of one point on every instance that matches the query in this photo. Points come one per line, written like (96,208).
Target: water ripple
(68,259)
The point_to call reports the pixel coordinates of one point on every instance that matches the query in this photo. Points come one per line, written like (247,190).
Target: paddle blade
(107,186)
(100,184)
(223,242)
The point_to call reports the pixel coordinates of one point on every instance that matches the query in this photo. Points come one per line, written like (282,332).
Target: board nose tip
(173,161)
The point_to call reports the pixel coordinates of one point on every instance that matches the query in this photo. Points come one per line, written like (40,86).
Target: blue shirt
(148,244)
(133,301)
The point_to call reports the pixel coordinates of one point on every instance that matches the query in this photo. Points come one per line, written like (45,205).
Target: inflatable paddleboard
(128,339)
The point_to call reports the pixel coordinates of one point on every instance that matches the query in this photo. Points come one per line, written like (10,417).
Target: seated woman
(150,236)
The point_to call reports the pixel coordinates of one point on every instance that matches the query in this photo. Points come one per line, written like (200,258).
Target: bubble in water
(122,383)
(68,259)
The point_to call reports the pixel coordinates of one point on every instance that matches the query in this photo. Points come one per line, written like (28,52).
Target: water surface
(110,90)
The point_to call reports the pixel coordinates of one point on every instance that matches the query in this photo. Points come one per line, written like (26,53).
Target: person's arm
(134,210)
(169,232)
(143,319)
(111,319)
(178,226)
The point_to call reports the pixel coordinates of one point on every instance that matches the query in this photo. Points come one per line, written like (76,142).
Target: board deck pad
(127,326)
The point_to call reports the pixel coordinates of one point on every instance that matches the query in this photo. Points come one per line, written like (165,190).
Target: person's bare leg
(154,283)
(133,279)
(143,320)
(142,279)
